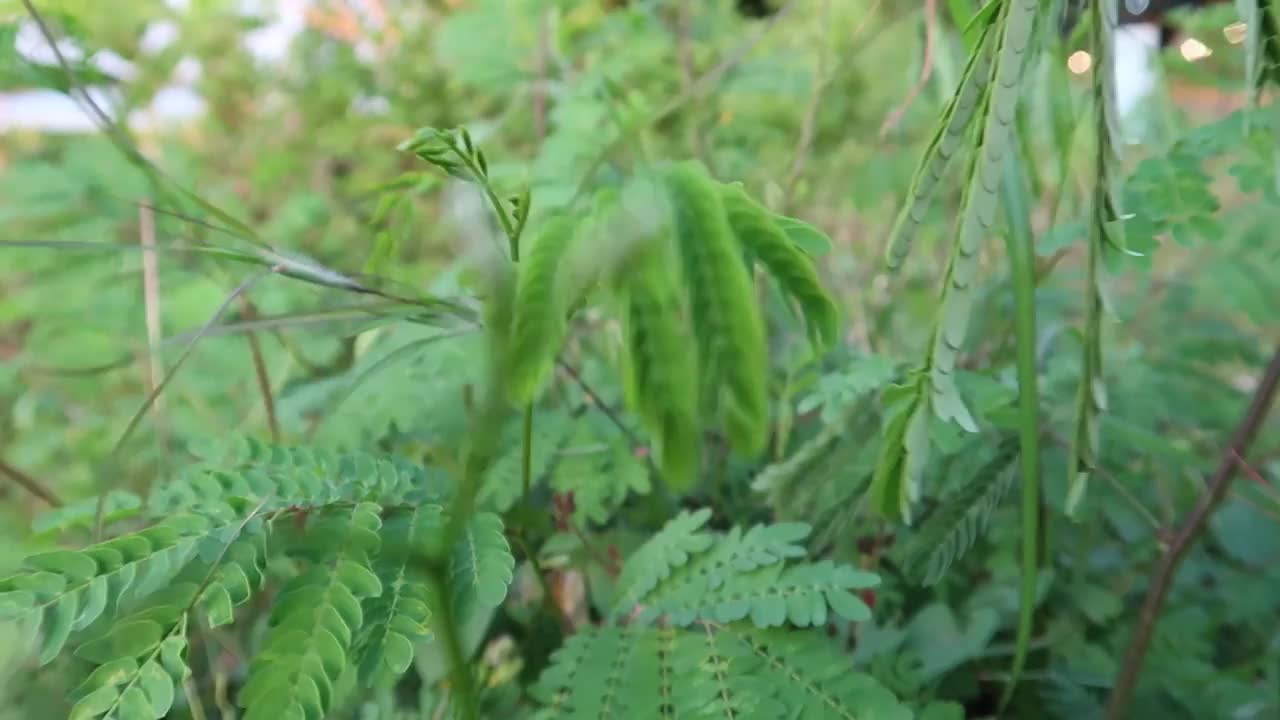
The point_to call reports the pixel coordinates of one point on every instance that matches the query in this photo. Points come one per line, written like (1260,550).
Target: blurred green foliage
(571,94)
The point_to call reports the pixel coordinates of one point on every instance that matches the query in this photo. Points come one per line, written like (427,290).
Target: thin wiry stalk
(464,684)
(260,372)
(1021,250)
(30,484)
(151,299)
(155,392)
(1091,397)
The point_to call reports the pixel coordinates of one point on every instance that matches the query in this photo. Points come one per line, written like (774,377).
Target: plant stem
(1020,246)
(260,371)
(30,484)
(526,455)
(1188,532)
(599,403)
(446,627)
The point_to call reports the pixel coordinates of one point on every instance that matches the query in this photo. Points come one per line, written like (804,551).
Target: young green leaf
(726,321)
(951,135)
(757,231)
(538,322)
(660,371)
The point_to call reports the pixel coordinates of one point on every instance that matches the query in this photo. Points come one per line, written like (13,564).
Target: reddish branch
(926,69)
(28,483)
(260,371)
(1188,532)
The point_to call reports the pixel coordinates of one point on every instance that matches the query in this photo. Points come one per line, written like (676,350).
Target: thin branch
(600,404)
(1251,471)
(91,106)
(151,310)
(1187,534)
(926,70)
(260,370)
(149,402)
(30,484)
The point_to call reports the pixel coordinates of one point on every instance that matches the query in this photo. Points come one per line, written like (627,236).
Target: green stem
(1020,247)
(446,627)
(513,230)
(526,457)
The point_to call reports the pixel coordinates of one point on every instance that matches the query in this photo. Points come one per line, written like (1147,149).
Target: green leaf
(756,230)
(482,566)
(653,562)
(359,579)
(158,687)
(129,639)
(538,325)
(808,238)
(948,139)
(661,374)
(961,519)
(95,704)
(728,328)
(71,565)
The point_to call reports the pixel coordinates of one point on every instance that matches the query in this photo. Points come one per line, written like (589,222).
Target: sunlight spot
(1193,50)
(1235,33)
(1079,62)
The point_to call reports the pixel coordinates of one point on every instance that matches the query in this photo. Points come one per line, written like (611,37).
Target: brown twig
(1251,471)
(599,403)
(926,70)
(30,484)
(260,370)
(1190,529)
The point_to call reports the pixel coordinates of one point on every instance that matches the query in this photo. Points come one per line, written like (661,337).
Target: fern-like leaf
(759,234)
(482,565)
(772,596)
(315,620)
(397,619)
(727,323)
(538,324)
(708,671)
(904,454)
(140,657)
(502,486)
(65,591)
(737,575)
(661,372)
(824,477)
(141,667)
(950,136)
(904,450)
(961,518)
(653,562)
(814,680)
(1091,396)
(977,219)
(600,468)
